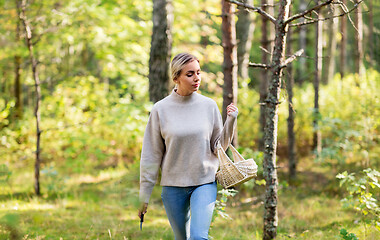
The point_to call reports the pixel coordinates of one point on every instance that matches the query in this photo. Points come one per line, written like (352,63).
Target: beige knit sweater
(181,138)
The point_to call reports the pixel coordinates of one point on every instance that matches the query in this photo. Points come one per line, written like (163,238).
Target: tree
(317,139)
(229,59)
(301,73)
(244,35)
(18,85)
(282,23)
(267,36)
(21,6)
(359,41)
(160,51)
(343,44)
(329,71)
(370,34)
(291,135)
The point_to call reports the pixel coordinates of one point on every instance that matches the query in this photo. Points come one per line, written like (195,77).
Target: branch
(255,9)
(259,65)
(346,12)
(291,58)
(265,50)
(302,14)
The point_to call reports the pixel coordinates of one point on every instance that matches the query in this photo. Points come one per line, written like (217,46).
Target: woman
(181,139)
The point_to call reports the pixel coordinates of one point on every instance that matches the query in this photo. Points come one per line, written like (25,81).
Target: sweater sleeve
(222,134)
(153,149)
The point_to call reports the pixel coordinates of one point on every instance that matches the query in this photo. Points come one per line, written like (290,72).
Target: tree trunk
(28,37)
(230,59)
(331,48)
(267,36)
(343,44)
(370,35)
(4,86)
(271,117)
(18,86)
(244,33)
(302,70)
(317,76)
(291,135)
(160,51)
(358,41)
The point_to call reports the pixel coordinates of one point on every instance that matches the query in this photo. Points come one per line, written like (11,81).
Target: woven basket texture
(232,173)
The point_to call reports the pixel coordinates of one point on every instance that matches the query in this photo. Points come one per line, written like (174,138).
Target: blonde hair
(178,63)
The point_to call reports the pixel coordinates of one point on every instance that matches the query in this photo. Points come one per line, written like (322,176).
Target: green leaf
(341,176)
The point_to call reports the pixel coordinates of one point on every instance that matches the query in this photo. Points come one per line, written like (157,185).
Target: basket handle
(222,156)
(236,155)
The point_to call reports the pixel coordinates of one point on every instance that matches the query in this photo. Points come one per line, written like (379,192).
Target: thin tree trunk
(331,48)
(244,34)
(204,35)
(230,59)
(358,41)
(370,35)
(317,76)
(343,44)
(18,88)
(28,37)
(271,117)
(267,36)
(160,51)
(302,70)
(4,87)
(291,135)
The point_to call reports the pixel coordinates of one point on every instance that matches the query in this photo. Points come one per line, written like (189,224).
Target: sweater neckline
(181,98)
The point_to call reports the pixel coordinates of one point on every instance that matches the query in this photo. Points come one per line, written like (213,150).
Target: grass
(104,206)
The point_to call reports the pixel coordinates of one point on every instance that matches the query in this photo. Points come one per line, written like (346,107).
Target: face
(189,79)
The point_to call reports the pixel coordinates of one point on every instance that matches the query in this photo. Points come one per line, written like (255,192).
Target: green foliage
(364,190)
(5,173)
(345,235)
(9,227)
(5,111)
(220,205)
(93,61)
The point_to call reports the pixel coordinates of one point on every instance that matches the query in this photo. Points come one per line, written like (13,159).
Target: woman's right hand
(143,209)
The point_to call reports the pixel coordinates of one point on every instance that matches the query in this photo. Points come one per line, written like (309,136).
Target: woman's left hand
(232,110)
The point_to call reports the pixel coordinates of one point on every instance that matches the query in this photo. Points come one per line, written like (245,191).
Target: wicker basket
(234,173)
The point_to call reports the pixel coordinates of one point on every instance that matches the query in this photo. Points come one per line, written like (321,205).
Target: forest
(79,78)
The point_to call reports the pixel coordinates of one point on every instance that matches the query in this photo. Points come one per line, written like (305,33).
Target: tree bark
(160,51)
(267,36)
(292,168)
(302,70)
(370,35)
(358,41)
(28,37)
(317,76)
(331,48)
(244,34)
(271,117)
(230,59)
(343,44)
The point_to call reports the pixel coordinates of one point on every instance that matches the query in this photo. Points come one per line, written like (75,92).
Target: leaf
(343,232)
(376,184)
(342,175)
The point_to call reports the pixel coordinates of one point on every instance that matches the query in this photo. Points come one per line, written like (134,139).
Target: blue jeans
(190,210)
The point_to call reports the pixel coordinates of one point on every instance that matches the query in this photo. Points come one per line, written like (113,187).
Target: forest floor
(104,206)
